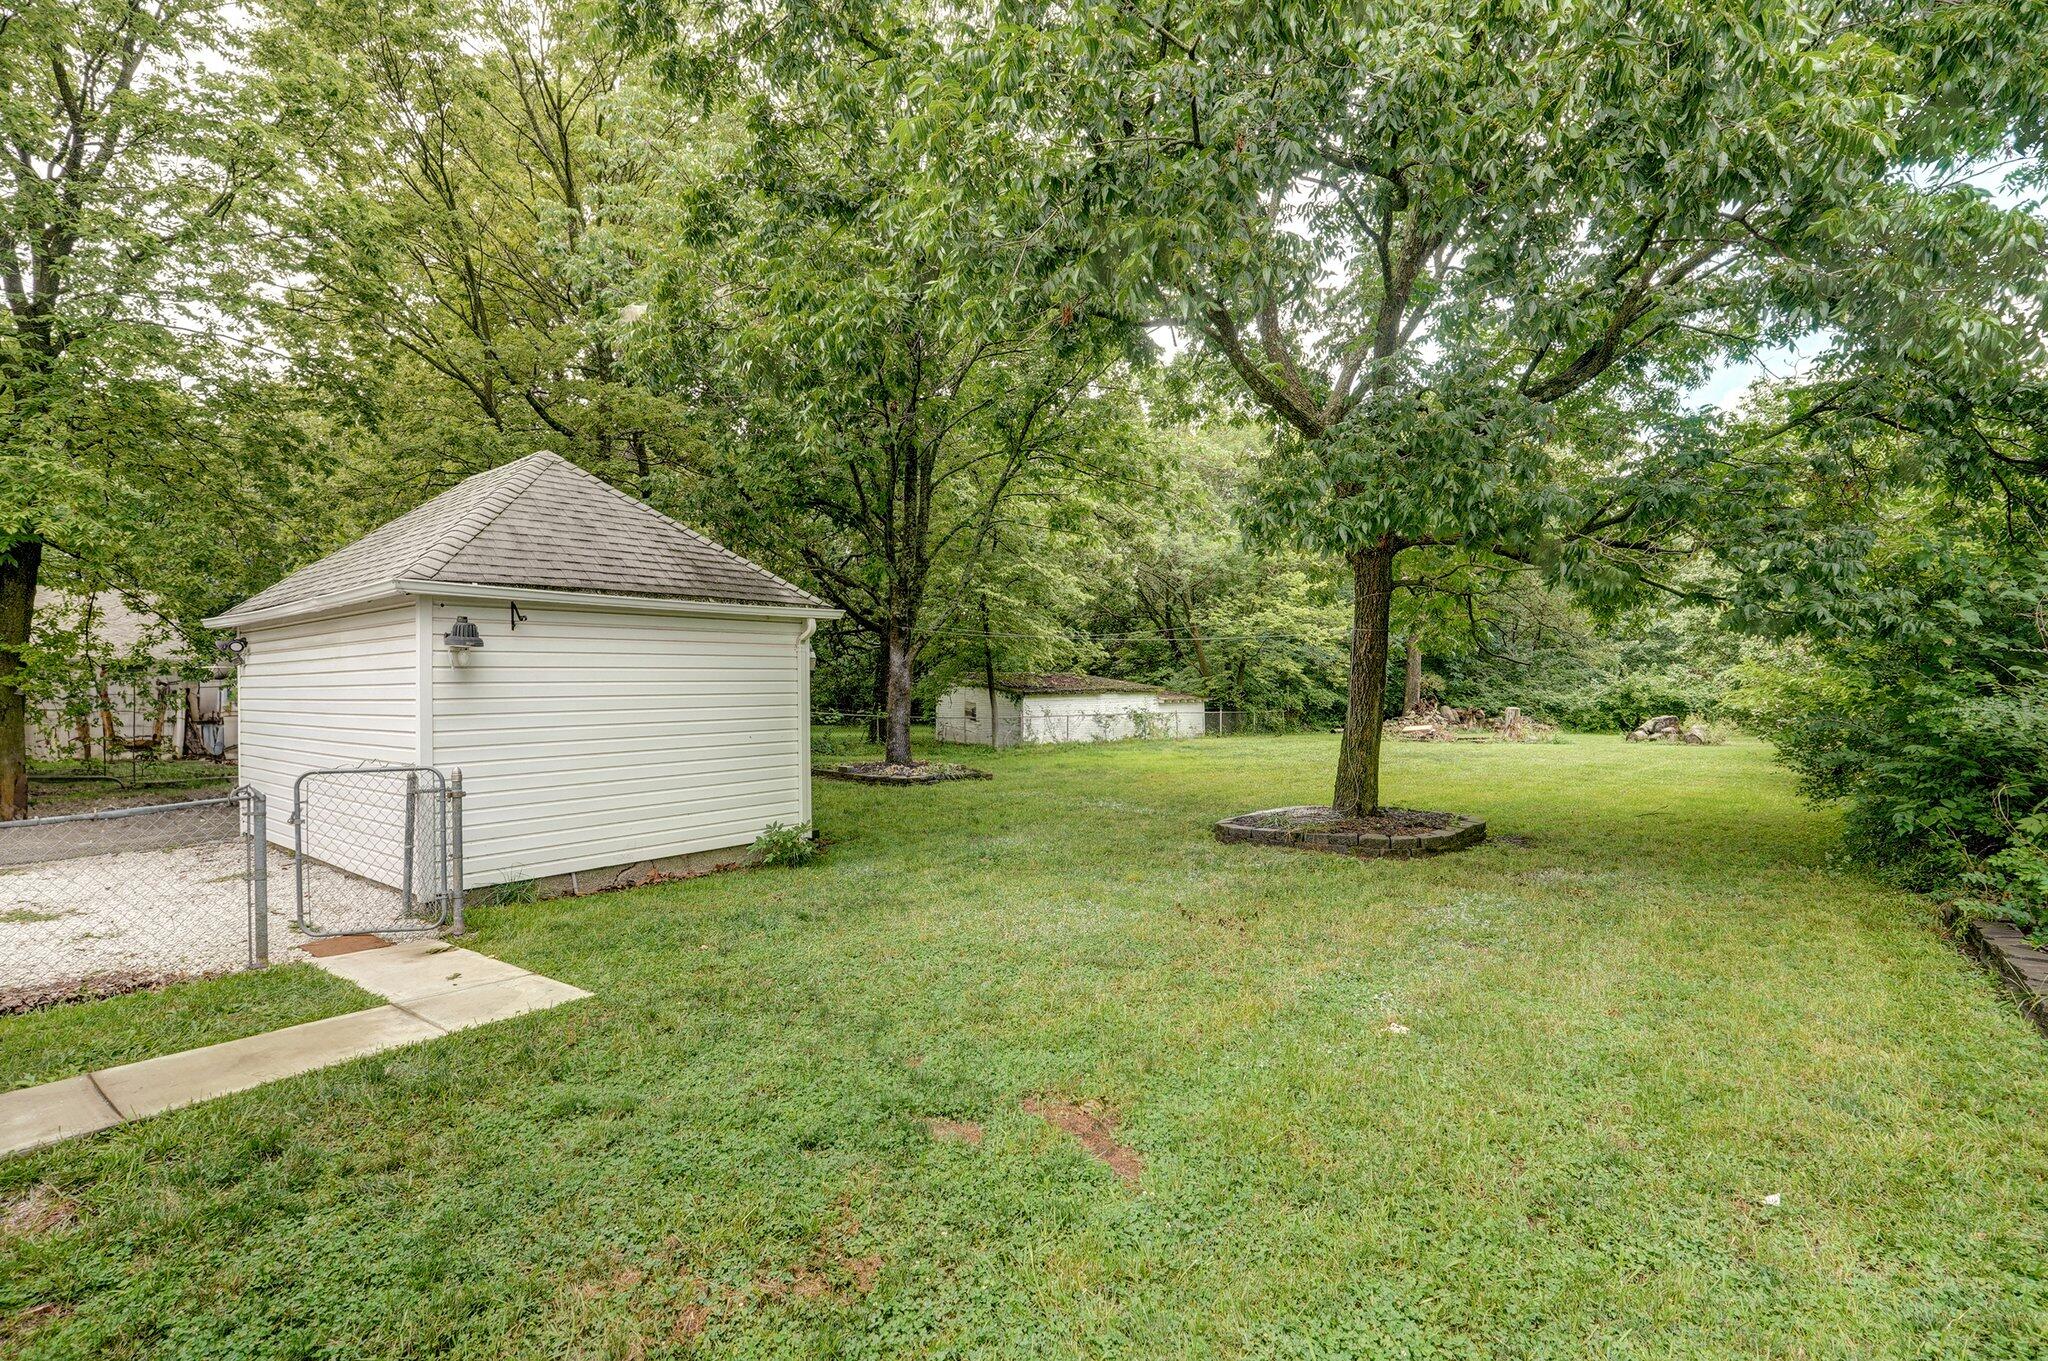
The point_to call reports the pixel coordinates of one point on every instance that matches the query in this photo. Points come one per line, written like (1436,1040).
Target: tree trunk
(20,564)
(1411,695)
(1358,760)
(896,711)
(106,702)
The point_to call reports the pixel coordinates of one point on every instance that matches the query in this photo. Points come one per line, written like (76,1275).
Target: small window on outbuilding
(972,716)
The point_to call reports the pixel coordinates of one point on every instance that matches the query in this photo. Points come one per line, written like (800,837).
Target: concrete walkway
(431,988)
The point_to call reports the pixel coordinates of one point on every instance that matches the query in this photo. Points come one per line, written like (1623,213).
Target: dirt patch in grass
(40,1210)
(115,983)
(827,1272)
(1093,1126)
(802,1283)
(954,1131)
(19,1327)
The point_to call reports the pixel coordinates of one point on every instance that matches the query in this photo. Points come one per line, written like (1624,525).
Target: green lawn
(1627,1026)
(63,1042)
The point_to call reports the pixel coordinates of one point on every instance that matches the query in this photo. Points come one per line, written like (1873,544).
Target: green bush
(1930,726)
(1614,704)
(784,845)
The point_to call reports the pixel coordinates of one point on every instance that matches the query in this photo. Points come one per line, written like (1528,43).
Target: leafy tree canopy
(1471,257)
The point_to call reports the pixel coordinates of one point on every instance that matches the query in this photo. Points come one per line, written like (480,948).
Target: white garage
(617,690)
(1064,707)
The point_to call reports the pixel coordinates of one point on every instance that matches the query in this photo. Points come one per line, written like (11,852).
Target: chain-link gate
(377,849)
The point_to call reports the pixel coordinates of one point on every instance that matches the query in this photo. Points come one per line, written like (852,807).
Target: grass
(1625,1027)
(28,916)
(62,1042)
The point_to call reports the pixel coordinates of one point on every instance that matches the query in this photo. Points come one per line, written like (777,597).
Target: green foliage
(783,846)
(1931,726)
(507,894)
(1613,705)
(1516,642)
(1177,595)
(1470,262)
(139,158)
(477,183)
(910,416)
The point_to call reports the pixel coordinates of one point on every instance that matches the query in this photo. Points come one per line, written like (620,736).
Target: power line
(1068,636)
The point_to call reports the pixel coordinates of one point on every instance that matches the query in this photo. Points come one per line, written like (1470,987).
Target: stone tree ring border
(1296,828)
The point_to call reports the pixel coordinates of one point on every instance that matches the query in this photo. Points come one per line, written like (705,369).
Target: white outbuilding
(1065,708)
(616,689)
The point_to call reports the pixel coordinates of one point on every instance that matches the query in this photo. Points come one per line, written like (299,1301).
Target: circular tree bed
(882,772)
(1398,832)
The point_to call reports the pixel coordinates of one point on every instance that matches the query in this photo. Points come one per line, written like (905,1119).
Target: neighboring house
(1065,708)
(631,692)
(130,692)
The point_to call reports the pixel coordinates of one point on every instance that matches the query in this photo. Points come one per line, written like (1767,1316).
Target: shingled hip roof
(538,523)
(1073,683)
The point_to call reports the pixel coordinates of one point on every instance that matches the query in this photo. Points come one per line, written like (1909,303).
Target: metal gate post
(454,847)
(407,906)
(299,851)
(259,878)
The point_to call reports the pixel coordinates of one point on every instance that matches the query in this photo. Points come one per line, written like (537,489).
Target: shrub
(784,845)
(1616,704)
(1930,726)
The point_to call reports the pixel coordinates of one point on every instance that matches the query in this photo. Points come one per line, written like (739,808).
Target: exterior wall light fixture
(463,638)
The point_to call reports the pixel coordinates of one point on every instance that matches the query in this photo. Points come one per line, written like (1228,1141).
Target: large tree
(473,180)
(901,393)
(888,432)
(126,167)
(1468,257)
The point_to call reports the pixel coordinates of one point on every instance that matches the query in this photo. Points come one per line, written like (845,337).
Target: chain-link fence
(97,903)
(90,749)
(842,731)
(102,902)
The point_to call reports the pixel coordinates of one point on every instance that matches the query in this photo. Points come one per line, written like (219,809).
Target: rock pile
(1669,728)
(1447,723)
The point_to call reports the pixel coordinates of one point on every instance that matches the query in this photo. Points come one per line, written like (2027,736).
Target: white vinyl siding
(1039,719)
(1107,717)
(589,738)
(339,691)
(951,722)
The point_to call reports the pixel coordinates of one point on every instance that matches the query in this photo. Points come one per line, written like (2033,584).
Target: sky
(1725,389)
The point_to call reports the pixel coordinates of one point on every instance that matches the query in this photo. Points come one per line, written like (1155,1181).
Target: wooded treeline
(1228,346)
